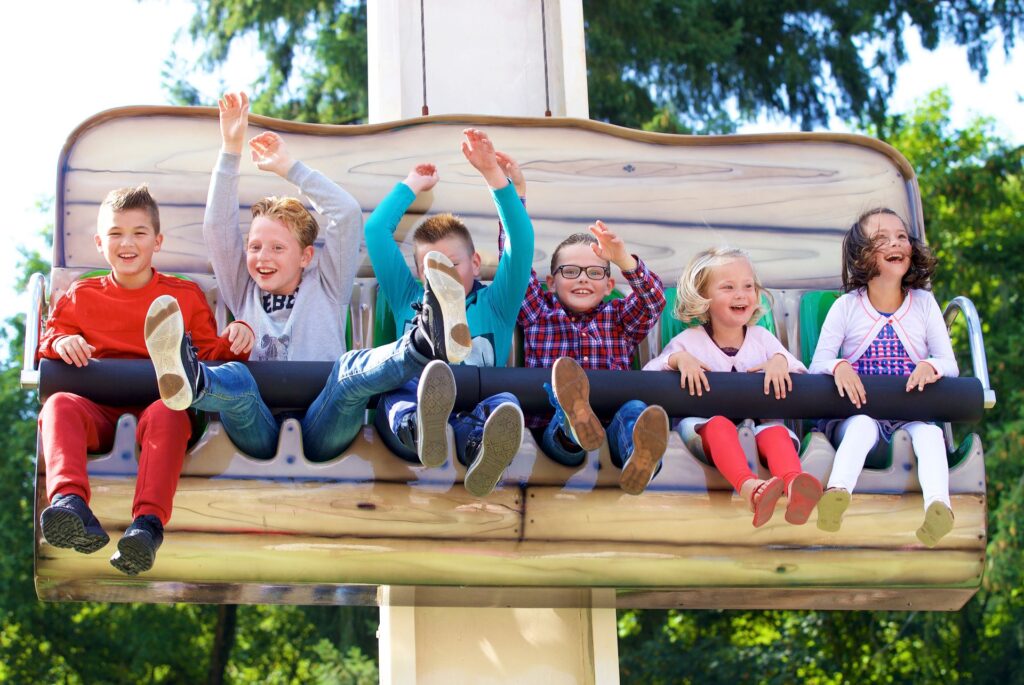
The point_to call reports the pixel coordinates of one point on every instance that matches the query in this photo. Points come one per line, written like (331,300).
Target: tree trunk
(223,641)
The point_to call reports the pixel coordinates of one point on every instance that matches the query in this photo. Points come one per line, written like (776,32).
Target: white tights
(858,434)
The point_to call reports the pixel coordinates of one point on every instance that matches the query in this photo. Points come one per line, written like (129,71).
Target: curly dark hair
(859,256)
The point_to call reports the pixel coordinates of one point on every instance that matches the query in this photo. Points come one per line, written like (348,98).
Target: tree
(706,63)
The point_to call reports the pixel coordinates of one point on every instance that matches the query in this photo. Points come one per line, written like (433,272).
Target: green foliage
(665,65)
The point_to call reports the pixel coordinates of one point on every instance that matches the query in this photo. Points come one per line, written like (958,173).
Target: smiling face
(466,261)
(580,294)
(274,256)
(732,290)
(892,248)
(127,239)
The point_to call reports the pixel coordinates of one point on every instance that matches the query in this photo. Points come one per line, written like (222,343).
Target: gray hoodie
(314,328)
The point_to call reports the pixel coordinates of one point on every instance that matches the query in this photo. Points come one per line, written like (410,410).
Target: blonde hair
(441,226)
(691,302)
(124,199)
(293,214)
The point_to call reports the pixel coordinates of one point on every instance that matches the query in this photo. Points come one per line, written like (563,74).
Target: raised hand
(691,372)
(479,151)
(422,178)
(511,169)
(776,374)
(923,375)
(234,119)
(74,350)
(240,336)
(611,247)
(849,385)
(271,154)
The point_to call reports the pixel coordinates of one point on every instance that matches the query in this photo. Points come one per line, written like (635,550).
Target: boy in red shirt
(104,317)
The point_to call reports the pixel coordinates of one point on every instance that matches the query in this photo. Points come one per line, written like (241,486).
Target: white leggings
(858,434)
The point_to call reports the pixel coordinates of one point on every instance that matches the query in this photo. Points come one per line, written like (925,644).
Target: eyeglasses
(594,273)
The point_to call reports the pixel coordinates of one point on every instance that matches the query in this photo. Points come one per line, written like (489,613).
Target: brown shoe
(572,390)
(650,439)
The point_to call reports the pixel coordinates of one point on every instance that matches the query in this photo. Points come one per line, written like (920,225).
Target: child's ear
(307,256)
(99,242)
(158,241)
(610,286)
(476,265)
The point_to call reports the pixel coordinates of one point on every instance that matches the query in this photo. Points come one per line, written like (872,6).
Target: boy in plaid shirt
(570,327)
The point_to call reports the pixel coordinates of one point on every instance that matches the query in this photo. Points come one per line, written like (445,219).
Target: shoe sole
(503,434)
(771,491)
(804,494)
(133,556)
(164,331)
(451,296)
(831,507)
(64,529)
(938,522)
(650,440)
(572,390)
(435,399)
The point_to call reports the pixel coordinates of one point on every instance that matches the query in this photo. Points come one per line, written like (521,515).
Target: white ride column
(510,58)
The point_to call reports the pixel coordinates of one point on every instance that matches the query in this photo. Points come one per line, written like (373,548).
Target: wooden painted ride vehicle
(291,531)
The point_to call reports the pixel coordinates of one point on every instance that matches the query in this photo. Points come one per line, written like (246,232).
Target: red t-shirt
(112,319)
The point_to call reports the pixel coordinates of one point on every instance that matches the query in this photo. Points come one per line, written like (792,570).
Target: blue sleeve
(393,275)
(513,274)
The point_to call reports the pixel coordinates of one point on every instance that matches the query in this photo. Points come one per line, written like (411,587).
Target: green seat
(814,306)
(671,326)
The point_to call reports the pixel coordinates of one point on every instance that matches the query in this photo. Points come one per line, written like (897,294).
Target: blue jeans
(395,406)
(620,436)
(333,419)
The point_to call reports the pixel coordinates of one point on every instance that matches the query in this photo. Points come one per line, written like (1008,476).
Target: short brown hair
(574,239)
(293,214)
(859,256)
(441,226)
(124,199)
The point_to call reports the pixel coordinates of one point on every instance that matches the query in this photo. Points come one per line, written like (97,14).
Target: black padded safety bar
(131,382)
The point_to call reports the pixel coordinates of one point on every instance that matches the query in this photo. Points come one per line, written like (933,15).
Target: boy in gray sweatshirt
(296,301)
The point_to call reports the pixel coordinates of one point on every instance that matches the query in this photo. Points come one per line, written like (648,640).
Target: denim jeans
(333,419)
(620,436)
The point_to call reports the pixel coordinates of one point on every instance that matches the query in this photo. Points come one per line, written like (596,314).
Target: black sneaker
(493,449)
(442,314)
(136,550)
(435,399)
(69,523)
(174,359)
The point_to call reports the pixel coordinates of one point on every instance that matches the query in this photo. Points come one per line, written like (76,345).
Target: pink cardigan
(853,323)
(758,347)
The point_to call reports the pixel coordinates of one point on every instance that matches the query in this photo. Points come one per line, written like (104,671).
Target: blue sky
(66,60)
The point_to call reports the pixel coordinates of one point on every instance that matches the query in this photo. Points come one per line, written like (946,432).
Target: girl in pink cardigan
(720,290)
(886,324)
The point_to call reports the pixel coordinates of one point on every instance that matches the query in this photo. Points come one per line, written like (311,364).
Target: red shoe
(803,496)
(763,498)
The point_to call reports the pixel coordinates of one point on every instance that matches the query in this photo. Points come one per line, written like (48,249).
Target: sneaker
(69,523)
(492,450)
(435,399)
(938,522)
(442,314)
(174,358)
(572,390)
(831,507)
(136,550)
(650,440)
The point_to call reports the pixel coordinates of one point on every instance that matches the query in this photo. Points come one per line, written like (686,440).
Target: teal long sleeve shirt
(491,310)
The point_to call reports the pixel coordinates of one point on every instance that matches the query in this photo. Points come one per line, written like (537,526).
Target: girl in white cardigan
(720,290)
(886,323)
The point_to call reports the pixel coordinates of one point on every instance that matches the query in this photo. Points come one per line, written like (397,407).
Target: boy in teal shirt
(488,437)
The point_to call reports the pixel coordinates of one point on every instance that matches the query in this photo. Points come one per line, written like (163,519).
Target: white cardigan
(853,323)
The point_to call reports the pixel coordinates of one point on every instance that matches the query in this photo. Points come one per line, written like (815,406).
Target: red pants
(72,426)
(722,445)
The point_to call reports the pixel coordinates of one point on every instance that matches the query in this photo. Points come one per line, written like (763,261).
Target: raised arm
(220,220)
(513,274)
(339,257)
(640,310)
(396,280)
